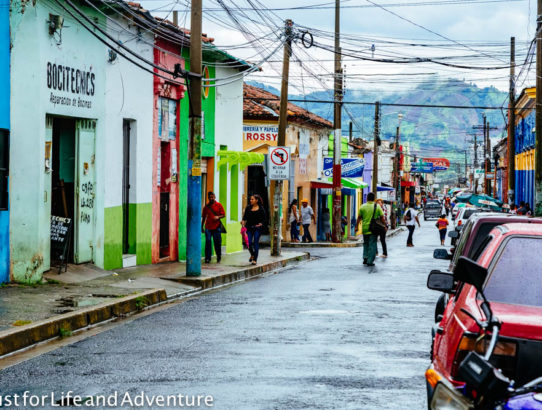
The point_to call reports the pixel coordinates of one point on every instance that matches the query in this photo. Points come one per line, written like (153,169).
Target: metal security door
(45,224)
(85,191)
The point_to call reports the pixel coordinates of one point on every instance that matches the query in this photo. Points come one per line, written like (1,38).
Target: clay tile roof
(261,104)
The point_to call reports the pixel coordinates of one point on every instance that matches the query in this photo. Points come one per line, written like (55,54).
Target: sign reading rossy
(350,167)
(439,164)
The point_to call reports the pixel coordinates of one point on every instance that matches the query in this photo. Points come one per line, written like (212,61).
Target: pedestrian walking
(368,211)
(442,225)
(326,223)
(447,207)
(411,218)
(211,215)
(293,219)
(382,235)
(307,214)
(253,219)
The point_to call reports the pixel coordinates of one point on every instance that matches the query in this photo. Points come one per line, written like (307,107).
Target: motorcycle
(485,386)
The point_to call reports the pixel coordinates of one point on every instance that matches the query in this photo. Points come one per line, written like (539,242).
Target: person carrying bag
(370,213)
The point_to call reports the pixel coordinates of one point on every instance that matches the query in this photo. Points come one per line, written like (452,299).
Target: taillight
(459,223)
(503,357)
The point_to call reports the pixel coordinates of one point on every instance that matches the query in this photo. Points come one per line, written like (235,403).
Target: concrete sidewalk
(352,242)
(87,295)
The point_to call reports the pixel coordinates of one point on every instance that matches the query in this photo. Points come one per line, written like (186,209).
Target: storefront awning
(321,184)
(354,183)
(408,183)
(380,188)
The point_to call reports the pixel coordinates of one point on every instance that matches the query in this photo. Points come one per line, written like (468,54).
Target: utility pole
(350,131)
(512,124)
(475,165)
(375,147)
(488,160)
(538,114)
(465,164)
(485,154)
(398,169)
(193,226)
(281,141)
(337,139)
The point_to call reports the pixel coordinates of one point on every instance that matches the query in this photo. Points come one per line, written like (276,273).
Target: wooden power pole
(281,140)
(375,147)
(337,138)
(193,226)
(512,124)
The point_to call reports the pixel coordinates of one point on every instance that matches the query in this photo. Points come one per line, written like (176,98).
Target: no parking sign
(279,163)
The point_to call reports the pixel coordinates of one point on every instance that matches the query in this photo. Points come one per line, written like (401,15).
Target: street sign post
(279,163)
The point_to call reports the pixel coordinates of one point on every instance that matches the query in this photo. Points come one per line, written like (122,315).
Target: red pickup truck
(512,258)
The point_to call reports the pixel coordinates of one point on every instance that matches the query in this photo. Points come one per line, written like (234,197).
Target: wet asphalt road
(327,334)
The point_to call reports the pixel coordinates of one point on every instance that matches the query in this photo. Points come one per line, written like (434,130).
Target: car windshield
(515,278)
(432,205)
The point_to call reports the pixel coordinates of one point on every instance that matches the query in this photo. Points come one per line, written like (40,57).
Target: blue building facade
(525,154)
(4,139)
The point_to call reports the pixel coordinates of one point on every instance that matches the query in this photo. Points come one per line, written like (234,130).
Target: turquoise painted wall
(4,124)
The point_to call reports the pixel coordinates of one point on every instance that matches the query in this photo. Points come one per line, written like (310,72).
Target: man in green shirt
(367,212)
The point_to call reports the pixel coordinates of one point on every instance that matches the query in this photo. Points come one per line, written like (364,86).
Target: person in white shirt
(411,218)
(306,215)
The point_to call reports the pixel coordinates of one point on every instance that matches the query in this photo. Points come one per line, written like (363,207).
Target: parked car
(432,209)
(507,268)
(464,213)
(472,240)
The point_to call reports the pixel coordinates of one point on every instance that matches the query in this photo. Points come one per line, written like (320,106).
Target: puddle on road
(325,312)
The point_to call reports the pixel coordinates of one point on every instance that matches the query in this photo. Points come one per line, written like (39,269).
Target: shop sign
(439,164)
(260,133)
(422,167)
(350,167)
(279,163)
(70,86)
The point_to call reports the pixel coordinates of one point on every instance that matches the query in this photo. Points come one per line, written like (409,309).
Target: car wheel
(441,305)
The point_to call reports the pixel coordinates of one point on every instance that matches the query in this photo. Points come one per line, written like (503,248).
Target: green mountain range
(431,131)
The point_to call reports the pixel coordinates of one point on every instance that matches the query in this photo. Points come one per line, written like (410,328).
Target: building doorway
(63,174)
(70,165)
(165,186)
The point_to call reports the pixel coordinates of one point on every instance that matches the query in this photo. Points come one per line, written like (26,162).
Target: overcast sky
(471,33)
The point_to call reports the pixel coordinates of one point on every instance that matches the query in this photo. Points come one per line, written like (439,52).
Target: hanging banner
(350,167)
(424,168)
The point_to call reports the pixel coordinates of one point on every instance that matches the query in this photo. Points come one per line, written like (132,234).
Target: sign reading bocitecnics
(70,86)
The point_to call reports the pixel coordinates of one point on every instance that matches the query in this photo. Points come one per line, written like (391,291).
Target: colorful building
(4,139)
(58,137)
(525,147)
(306,135)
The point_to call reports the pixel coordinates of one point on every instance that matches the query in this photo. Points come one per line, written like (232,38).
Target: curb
(321,245)
(396,231)
(209,282)
(12,340)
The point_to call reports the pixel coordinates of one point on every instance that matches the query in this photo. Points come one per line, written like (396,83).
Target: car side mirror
(453,234)
(441,254)
(441,281)
(470,272)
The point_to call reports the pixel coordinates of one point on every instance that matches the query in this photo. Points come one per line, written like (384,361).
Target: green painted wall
(207,150)
(234,239)
(113,238)
(139,234)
